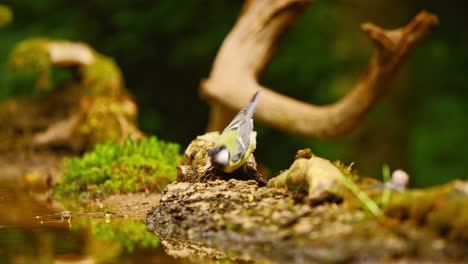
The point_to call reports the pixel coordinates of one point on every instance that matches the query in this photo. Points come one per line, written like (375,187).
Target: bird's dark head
(219,156)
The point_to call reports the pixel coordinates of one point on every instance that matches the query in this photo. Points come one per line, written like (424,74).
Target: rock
(317,177)
(399,180)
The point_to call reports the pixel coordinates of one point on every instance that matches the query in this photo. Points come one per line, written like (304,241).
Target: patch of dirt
(132,205)
(35,170)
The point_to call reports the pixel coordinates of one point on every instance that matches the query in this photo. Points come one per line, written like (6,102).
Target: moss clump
(443,209)
(135,165)
(103,77)
(6,16)
(105,119)
(32,59)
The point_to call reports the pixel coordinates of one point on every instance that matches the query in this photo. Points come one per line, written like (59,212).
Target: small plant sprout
(387,185)
(362,196)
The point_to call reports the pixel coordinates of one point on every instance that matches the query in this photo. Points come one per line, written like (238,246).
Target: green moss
(135,165)
(442,209)
(102,121)
(31,58)
(6,16)
(103,77)
(232,227)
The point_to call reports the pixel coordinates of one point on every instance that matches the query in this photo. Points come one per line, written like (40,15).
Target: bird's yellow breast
(229,140)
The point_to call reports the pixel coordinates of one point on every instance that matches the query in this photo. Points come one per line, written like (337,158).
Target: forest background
(165,48)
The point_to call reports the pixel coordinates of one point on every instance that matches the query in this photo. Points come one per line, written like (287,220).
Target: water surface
(34,230)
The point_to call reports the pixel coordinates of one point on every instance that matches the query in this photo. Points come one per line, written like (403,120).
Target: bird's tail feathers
(252,105)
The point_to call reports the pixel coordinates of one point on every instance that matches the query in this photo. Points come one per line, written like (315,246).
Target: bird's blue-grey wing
(243,128)
(238,120)
(243,124)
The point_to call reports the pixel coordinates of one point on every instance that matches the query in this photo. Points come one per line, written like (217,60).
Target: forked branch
(249,46)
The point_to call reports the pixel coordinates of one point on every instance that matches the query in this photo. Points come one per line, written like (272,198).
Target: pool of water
(32,230)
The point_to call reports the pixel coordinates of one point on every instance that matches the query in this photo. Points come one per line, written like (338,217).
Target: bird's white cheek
(222,157)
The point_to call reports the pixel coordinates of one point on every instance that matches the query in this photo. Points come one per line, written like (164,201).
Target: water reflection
(33,231)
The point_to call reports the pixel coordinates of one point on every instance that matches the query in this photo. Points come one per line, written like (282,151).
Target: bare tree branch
(67,53)
(249,46)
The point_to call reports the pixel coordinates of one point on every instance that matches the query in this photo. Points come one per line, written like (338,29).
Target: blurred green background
(165,48)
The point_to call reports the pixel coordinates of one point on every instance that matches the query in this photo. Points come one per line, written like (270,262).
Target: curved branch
(67,53)
(249,46)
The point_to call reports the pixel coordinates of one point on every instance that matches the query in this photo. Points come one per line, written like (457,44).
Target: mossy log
(90,108)
(220,217)
(93,108)
(240,220)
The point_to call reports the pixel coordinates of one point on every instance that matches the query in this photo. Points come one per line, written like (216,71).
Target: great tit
(237,141)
